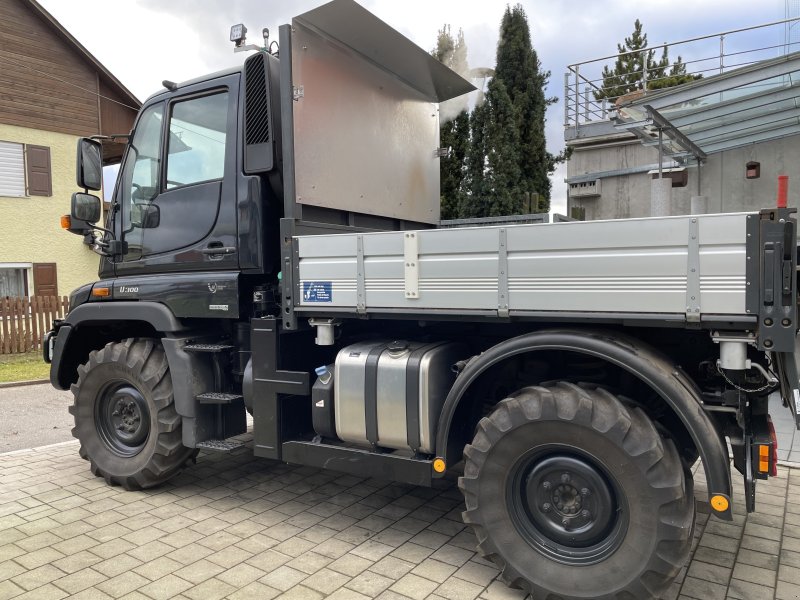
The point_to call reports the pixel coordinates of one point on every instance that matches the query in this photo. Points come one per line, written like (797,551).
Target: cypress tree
(473,184)
(492,183)
(503,174)
(454,123)
(520,70)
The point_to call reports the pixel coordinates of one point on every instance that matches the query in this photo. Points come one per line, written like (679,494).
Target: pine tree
(454,123)
(627,75)
(520,70)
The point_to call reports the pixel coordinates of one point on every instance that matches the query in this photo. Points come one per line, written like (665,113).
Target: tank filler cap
(397,346)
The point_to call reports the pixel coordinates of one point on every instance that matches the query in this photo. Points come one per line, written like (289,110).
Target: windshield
(140,175)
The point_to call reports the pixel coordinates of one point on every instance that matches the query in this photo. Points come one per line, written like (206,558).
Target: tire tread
(605,413)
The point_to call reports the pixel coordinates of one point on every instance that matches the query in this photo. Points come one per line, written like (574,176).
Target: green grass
(23,367)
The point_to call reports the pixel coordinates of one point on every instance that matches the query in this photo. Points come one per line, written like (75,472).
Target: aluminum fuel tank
(390,393)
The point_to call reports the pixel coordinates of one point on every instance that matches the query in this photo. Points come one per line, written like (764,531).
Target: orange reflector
(773,468)
(66,222)
(101,292)
(439,465)
(719,503)
(763,458)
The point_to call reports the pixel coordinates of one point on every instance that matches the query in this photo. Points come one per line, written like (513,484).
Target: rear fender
(628,353)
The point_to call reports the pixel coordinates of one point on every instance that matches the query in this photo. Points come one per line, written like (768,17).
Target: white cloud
(146,41)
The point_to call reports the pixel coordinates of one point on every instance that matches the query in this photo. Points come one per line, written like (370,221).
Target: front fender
(153,313)
(75,335)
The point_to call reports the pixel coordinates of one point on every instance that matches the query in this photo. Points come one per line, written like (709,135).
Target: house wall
(721,178)
(46,85)
(30,229)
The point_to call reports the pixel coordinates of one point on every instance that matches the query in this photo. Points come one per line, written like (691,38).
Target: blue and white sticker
(317,291)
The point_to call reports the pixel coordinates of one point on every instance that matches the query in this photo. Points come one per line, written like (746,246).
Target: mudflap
(749,478)
(787,370)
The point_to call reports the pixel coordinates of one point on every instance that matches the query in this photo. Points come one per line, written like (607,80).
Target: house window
(14,280)
(12,170)
(25,170)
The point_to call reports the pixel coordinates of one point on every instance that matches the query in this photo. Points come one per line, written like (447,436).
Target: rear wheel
(124,415)
(574,496)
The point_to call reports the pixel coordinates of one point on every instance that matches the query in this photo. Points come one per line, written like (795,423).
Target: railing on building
(25,321)
(703,56)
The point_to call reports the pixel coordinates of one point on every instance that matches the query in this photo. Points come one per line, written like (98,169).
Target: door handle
(212,250)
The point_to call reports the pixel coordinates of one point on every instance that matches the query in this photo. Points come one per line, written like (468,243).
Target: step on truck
(273,247)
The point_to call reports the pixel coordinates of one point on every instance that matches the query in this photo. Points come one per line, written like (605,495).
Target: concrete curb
(38,448)
(10,384)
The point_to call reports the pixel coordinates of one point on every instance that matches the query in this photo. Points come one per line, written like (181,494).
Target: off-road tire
(136,365)
(645,469)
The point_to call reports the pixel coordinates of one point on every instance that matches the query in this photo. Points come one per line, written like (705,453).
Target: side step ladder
(223,400)
(219,445)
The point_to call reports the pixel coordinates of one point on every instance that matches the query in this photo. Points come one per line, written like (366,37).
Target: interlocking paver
(368,583)
(254,591)
(414,586)
(122,584)
(239,527)
(458,589)
(391,566)
(437,571)
(283,578)
(326,581)
(165,588)
(79,581)
(210,589)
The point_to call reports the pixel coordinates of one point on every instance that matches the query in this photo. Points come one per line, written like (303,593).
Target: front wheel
(124,415)
(573,495)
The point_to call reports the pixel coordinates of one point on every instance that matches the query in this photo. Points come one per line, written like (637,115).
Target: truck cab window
(197,130)
(140,173)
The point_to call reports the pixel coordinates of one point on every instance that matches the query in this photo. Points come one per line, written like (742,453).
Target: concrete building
(725,139)
(53,91)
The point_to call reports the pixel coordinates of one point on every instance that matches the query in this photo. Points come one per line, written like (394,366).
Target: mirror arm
(104,230)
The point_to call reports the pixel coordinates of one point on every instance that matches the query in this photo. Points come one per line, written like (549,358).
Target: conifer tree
(454,123)
(493,171)
(627,74)
(473,189)
(520,70)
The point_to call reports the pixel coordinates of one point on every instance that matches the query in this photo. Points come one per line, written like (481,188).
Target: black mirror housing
(89,171)
(145,216)
(85,207)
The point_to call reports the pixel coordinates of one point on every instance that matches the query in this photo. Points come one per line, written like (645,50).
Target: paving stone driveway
(239,527)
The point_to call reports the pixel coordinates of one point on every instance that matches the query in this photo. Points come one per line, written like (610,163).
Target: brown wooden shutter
(37,165)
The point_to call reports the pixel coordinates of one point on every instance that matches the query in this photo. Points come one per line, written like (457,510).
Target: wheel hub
(567,506)
(123,419)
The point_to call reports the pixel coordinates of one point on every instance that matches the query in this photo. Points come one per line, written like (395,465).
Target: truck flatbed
(686,268)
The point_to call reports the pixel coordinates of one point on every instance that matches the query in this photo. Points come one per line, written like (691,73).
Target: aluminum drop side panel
(632,265)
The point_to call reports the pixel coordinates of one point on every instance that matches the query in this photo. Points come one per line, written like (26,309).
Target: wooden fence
(24,321)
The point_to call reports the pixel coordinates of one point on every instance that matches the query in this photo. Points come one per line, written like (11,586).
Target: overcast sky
(146,41)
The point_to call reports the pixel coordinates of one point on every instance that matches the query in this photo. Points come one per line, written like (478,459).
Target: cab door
(178,183)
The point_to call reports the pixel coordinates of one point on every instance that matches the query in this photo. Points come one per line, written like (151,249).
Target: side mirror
(89,172)
(145,216)
(85,207)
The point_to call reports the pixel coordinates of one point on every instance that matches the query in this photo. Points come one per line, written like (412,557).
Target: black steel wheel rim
(566,505)
(122,418)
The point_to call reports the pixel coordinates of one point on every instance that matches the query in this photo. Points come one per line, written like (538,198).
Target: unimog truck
(273,247)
